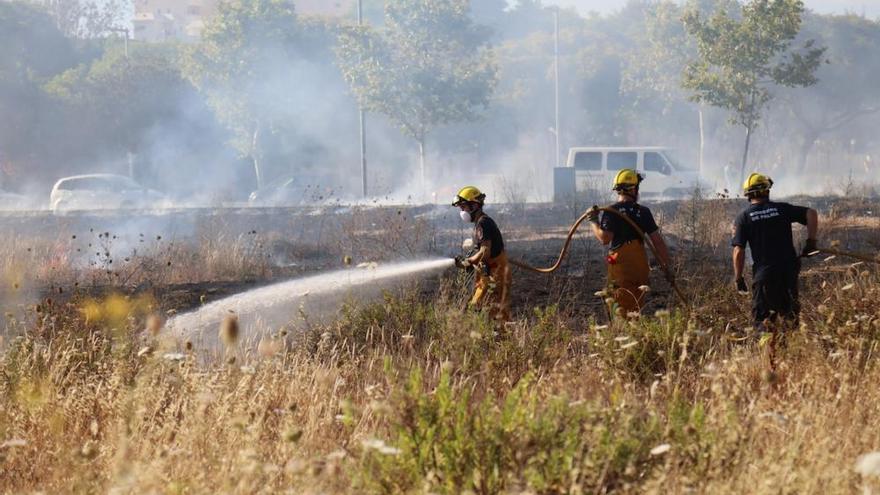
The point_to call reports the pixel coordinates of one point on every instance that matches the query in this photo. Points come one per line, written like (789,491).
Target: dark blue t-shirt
(766,229)
(485,229)
(623,231)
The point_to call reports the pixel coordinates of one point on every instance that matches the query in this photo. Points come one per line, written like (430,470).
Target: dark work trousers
(775,295)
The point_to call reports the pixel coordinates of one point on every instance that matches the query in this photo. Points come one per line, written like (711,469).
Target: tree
(32,50)
(741,59)
(85,18)
(490,13)
(429,65)
(655,62)
(842,97)
(247,65)
(116,100)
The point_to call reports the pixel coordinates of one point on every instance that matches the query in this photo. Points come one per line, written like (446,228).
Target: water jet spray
(267,309)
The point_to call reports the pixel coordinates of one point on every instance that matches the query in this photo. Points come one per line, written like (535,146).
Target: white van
(595,168)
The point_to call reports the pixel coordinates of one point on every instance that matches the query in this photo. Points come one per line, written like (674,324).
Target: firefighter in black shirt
(628,267)
(765,227)
(493,273)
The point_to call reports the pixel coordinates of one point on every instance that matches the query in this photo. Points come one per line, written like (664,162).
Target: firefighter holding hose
(765,227)
(489,259)
(628,267)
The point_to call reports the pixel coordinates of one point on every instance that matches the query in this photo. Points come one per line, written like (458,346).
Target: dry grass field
(412,395)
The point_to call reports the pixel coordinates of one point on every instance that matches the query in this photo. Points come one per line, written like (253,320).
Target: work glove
(811,248)
(463,263)
(741,285)
(593,214)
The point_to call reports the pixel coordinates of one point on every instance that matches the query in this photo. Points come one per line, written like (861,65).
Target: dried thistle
(293,435)
(229,330)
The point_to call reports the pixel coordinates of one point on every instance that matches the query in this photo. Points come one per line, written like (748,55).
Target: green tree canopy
(235,65)
(848,91)
(119,98)
(31,47)
(428,65)
(250,63)
(32,50)
(742,57)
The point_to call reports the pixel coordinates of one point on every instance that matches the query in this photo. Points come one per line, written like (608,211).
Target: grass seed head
(154,324)
(89,450)
(661,449)
(868,465)
(268,347)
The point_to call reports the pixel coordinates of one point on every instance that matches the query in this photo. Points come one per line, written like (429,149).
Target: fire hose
(859,256)
(571,232)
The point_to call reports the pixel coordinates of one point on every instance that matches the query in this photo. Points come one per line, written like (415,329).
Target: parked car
(298,191)
(101,191)
(595,167)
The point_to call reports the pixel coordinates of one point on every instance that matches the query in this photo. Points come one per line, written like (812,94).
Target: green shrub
(444,441)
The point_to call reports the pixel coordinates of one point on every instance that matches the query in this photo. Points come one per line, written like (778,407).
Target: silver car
(102,191)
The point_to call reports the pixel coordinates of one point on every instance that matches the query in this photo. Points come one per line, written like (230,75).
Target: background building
(161,20)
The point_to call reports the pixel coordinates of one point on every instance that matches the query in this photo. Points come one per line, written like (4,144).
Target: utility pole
(556,70)
(125,39)
(363,118)
(126,33)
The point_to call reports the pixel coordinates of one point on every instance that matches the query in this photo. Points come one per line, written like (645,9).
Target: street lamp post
(363,119)
(557,131)
(125,32)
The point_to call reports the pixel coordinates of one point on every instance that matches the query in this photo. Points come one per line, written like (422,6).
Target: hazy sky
(871,8)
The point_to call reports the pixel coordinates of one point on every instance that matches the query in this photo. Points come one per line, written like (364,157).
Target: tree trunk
(257,158)
(745,160)
(422,184)
(805,149)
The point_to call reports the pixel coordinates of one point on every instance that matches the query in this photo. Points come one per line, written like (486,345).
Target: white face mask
(465,216)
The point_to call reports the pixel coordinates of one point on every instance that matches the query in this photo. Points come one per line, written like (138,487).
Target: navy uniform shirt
(485,229)
(766,229)
(623,231)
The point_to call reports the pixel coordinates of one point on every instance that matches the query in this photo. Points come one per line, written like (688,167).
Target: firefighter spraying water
(489,258)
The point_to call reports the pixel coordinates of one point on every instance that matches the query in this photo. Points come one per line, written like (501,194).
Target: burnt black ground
(308,241)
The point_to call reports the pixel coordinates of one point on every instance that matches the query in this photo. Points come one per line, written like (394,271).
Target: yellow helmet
(469,194)
(757,183)
(627,179)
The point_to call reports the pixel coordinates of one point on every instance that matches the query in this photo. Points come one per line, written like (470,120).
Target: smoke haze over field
(870,8)
(200,120)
